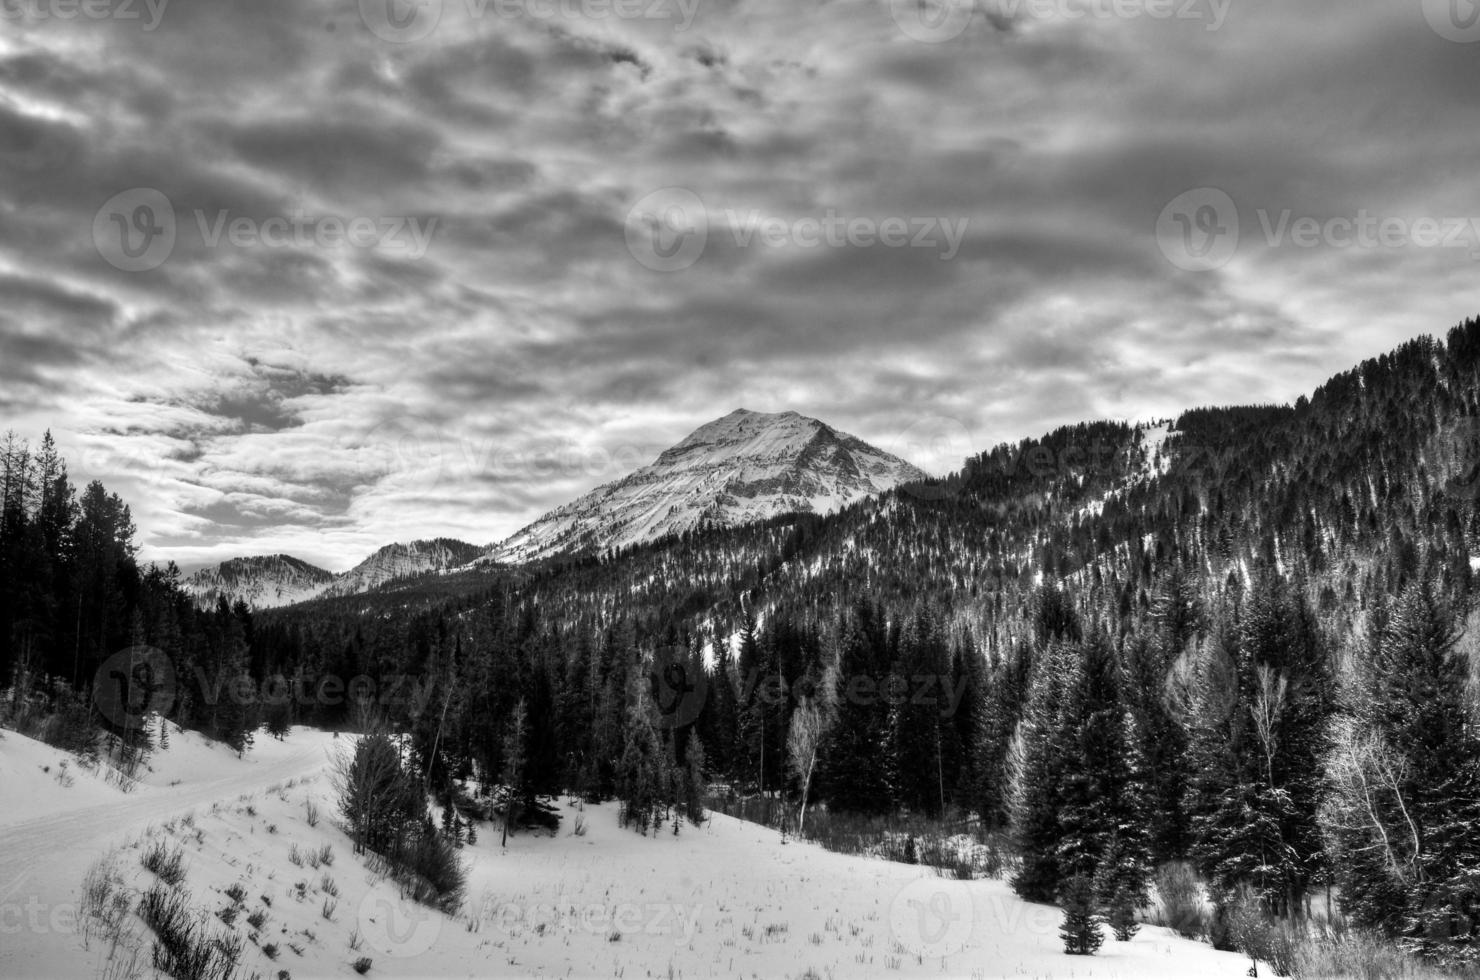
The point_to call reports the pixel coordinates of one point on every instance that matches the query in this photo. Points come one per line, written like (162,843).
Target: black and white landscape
(814,489)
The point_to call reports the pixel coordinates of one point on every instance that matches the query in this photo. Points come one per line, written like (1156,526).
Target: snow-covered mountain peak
(746,466)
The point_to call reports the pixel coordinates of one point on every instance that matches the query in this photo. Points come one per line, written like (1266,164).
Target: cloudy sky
(316,275)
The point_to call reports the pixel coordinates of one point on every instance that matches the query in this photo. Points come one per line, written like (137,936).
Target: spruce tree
(1080,929)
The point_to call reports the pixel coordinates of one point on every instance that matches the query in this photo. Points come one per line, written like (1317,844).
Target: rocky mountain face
(396,561)
(739,469)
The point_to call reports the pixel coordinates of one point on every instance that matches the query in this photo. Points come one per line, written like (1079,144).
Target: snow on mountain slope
(402,560)
(747,466)
(280,580)
(263,582)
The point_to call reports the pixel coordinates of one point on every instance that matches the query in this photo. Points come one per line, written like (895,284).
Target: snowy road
(43,858)
(37,845)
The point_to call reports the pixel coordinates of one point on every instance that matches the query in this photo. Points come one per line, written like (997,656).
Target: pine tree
(859,770)
(1102,811)
(1122,918)
(1036,765)
(516,777)
(642,777)
(1080,929)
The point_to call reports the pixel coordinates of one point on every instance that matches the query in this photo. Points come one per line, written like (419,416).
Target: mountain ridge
(270,581)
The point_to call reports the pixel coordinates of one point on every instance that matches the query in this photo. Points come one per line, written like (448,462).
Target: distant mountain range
(739,469)
(282,580)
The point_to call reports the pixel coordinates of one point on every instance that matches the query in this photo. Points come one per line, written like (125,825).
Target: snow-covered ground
(729,899)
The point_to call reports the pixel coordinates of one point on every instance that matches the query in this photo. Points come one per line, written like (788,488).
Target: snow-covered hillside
(262,582)
(402,560)
(280,580)
(745,467)
(727,899)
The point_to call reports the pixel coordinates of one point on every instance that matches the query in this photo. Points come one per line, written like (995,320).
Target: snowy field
(730,899)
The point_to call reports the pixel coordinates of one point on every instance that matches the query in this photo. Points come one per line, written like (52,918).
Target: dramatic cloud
(298,275)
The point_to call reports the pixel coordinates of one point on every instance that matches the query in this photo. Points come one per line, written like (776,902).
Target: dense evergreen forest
(1249,646)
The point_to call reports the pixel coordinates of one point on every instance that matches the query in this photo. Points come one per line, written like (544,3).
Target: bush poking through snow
(184,949)
(105,904)
(1179,901)
(362,965)
(167,864)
